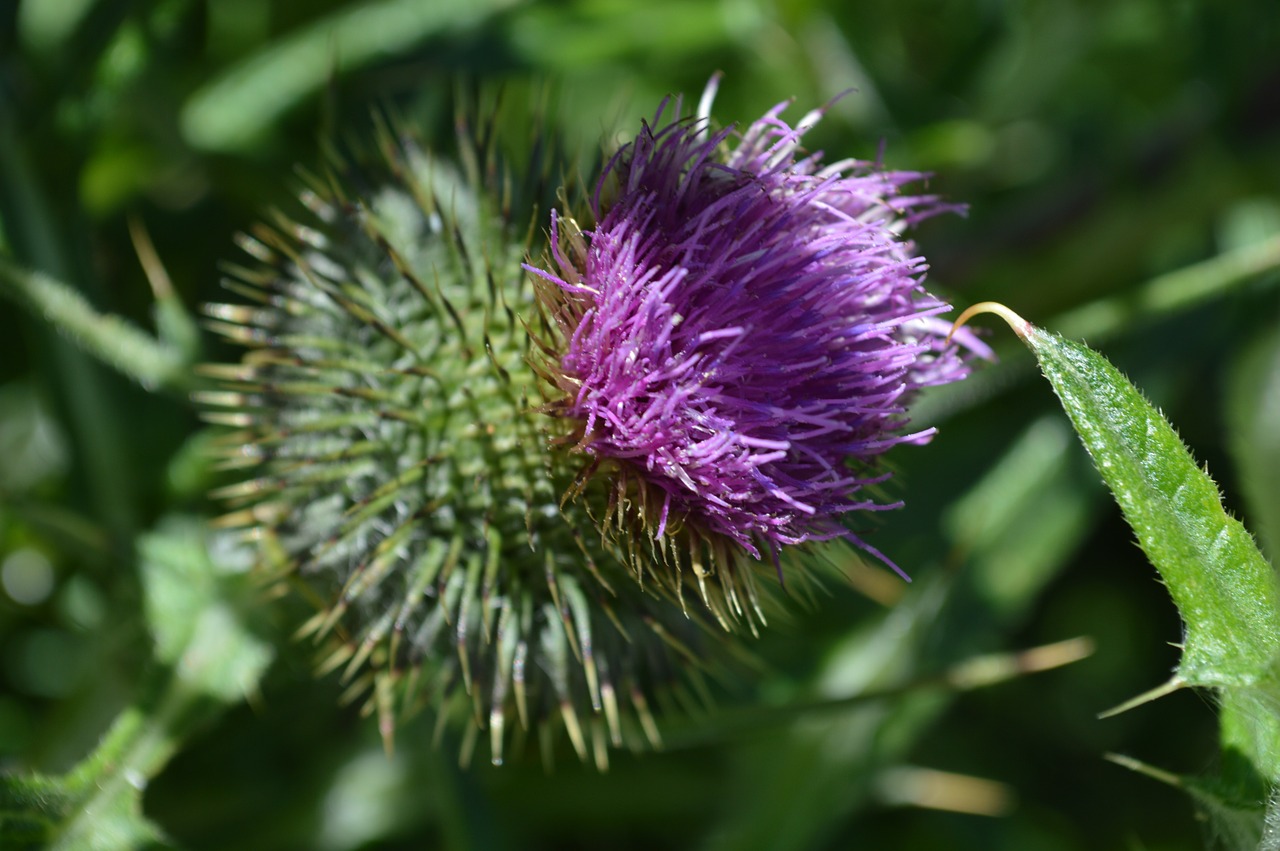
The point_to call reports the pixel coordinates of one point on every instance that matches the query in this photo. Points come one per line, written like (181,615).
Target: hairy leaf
(1223,587)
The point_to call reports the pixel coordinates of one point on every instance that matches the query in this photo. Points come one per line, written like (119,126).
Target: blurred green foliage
(1101,147)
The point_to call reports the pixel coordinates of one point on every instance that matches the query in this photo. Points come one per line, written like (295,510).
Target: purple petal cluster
(752,326)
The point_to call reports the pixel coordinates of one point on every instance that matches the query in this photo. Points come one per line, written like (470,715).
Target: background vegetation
(1121,161)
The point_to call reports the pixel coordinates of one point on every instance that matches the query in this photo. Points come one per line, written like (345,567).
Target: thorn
(610,701)
(574,728)
(496,720)
(600,745)
(944,790)
(997,668)
(646,719)
(1142,768)
(152,267)
(386,713)
(335,660)
(1170,687)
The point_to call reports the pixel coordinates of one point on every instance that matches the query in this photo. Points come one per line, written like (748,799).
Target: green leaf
(1223,587)
(1250,721)
(1234,806)
(197,598)
(98,806)
(198,610)
(30,807)
(238,106)
(113,340)
(46,26)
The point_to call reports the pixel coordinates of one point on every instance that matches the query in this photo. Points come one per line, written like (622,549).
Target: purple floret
(753,327)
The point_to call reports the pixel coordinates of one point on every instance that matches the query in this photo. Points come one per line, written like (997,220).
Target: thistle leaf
(67,814)
(1223,587)
(196,610)
(115,341)
(1237,814)
(195,602)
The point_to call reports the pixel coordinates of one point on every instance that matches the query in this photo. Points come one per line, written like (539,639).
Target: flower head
(745,327)
(735,340)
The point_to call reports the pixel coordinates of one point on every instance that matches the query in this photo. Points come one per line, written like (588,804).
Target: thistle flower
(469,467)
(743,328)
(398,468)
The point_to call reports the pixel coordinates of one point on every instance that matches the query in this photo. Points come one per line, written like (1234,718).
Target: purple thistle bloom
(747,325)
